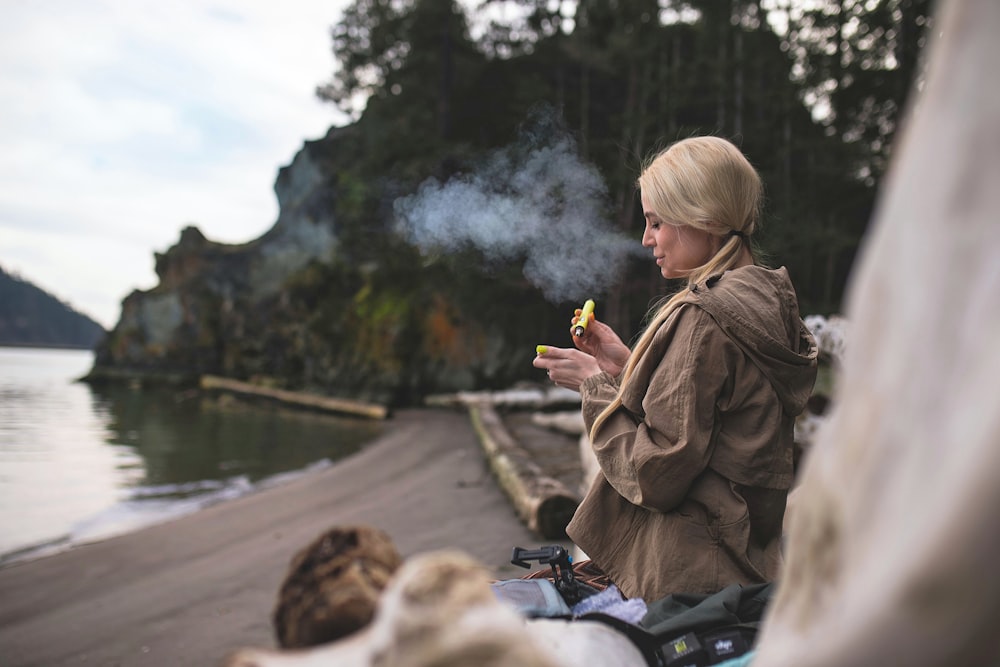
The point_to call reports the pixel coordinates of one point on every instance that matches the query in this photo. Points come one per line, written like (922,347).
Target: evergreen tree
(857,62)
(369,44)
(813,102)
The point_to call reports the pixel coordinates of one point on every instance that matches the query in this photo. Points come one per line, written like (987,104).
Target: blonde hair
(708,184)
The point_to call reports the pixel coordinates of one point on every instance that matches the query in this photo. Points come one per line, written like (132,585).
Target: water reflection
(182,437)
(80,463)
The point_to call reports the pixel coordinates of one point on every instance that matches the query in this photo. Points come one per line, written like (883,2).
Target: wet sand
(191,591)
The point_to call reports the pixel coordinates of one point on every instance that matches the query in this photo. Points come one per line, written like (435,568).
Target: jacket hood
(758,310)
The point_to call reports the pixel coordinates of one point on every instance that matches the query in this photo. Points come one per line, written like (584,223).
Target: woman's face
(676,248)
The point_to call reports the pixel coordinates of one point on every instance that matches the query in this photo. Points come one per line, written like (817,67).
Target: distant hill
(31,316)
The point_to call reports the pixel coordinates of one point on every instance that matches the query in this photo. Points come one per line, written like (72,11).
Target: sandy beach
(191,591)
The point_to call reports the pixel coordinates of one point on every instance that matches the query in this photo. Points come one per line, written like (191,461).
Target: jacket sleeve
(652,455)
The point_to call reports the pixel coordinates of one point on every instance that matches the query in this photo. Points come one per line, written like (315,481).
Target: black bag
(680,630)
(689,630)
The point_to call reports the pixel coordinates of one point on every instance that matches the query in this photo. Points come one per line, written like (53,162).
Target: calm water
(79,463)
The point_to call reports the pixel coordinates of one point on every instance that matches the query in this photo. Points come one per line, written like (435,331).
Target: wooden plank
(296,398)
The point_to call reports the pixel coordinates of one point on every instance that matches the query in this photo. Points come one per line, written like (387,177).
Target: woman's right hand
(601,342)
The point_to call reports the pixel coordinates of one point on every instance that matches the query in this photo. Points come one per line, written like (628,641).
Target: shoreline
(49,346)
(194,589)
(116,520)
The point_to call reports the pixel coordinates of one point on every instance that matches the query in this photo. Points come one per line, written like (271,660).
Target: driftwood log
(295,398)
(542,502)
(893,538)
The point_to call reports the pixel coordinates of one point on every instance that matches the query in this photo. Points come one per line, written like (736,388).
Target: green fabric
(735,605)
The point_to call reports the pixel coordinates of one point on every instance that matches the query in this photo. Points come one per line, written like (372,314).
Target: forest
(811,91)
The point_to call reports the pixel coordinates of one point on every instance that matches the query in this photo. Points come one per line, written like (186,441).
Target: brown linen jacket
(697,463)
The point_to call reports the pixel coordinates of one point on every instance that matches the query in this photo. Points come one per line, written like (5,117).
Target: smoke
(535,200)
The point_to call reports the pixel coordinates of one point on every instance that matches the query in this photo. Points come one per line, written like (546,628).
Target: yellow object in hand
(541,349)
(584,319)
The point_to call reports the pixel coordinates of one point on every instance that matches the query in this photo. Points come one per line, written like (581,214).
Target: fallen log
(542,502)
(893,539)
(295,398)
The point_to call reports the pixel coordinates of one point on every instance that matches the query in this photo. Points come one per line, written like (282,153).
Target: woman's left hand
(567,367)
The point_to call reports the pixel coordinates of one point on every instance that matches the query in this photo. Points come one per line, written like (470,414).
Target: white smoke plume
(536,200)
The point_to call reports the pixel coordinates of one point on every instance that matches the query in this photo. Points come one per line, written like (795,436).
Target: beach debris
(332,586)
(441,611)
(544,503)
(438,610)
(568,421)
(515,397)
(295,399)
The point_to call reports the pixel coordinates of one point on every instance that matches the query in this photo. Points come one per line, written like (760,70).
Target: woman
(693,427)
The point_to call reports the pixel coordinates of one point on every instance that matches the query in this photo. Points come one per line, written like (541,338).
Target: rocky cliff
(330,299)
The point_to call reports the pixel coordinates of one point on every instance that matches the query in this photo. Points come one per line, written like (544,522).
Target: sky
(124,121)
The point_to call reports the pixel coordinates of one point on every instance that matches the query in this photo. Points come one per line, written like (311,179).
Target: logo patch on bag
(685,651)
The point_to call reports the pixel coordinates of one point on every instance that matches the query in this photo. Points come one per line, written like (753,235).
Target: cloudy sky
(123,121)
